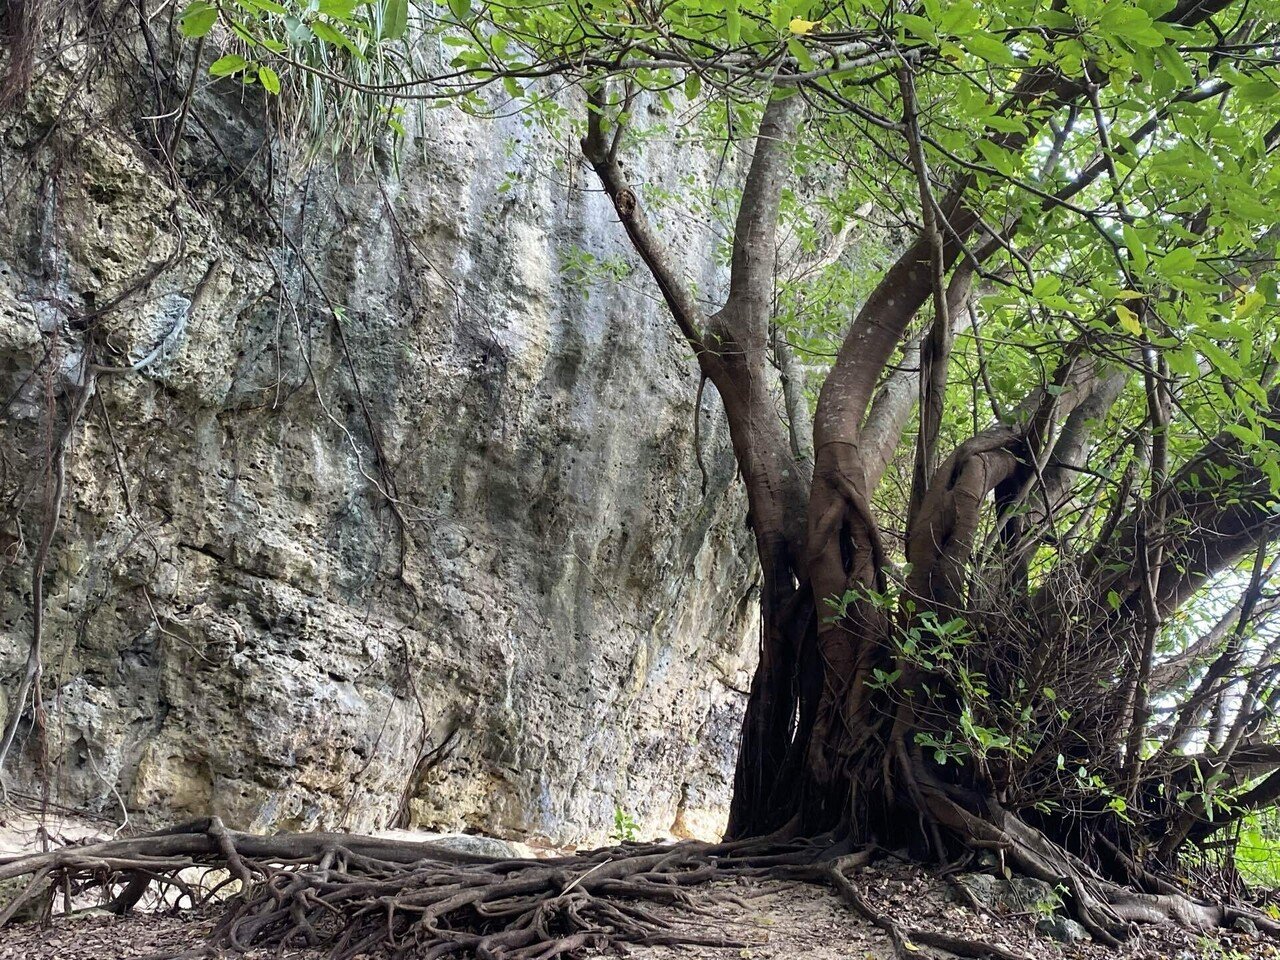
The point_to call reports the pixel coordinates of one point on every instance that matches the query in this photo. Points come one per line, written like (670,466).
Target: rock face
(397,521)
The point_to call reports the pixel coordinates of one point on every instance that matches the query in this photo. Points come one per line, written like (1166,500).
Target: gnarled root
(356,895)
(1105,908)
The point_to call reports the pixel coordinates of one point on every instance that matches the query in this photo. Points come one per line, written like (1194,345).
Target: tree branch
(599,150)
(935,351)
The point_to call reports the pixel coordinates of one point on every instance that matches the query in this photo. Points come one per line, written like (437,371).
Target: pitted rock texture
(399,522)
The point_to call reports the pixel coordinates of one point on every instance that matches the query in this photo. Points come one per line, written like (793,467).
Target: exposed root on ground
(905,940)
(357,895)
(1105,908)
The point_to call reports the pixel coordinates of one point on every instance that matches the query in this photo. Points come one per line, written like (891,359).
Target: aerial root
(355,895)
(511,909)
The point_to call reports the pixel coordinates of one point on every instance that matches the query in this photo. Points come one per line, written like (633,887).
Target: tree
(1090,186)
(1016,538)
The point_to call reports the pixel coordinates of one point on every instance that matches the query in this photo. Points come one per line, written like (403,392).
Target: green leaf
(989,48)
(1222,361)
(241,31)
(1137,249)
(780,13)
(266,6)
(1006,124)
(198,19)
(1177,263)
(461,9)
(1244,434)
(1001,159)
(1046,285)
(395,19)
(733,22)
(227,66)
(329,34)
(1256,91)
(692,86)
(338,9)
(1130,25)
(959,17)
(1172,61)
(269,79)
(801,54)
(1183,361)
(918,27)
(297,30)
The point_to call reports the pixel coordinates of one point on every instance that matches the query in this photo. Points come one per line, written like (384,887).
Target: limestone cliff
(383,507)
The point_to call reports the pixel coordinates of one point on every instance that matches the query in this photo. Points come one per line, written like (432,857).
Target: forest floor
(770,920)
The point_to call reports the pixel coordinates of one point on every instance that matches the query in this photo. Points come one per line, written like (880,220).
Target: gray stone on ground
(482,846)
(1023,895)
(1245,925)
(1062,929)
(1017,894)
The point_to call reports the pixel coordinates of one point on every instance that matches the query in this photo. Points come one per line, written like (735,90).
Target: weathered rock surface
(1062,929)
(1024,895)
(1016,894)
(437,558)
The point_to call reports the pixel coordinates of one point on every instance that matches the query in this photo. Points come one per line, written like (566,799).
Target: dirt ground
(769,920)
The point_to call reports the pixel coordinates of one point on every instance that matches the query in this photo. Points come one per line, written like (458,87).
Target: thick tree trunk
(839,713)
